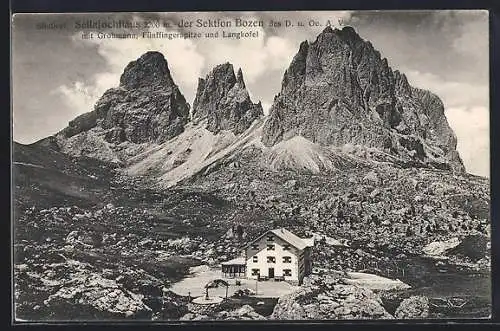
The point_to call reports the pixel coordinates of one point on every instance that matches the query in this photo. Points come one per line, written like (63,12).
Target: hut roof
(237,261)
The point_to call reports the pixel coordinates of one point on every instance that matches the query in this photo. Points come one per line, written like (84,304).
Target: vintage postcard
(301,165)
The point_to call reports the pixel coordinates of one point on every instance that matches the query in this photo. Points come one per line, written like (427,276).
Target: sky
(57,75)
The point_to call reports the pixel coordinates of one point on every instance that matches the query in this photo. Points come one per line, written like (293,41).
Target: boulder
(437,248)
(291,184)
(246,312)
(414,307)
(90,291)
(188,317)
(371,178)
(323,297)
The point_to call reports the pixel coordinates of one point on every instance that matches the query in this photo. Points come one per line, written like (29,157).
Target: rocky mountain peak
(223,99)
(225,68)
(146,107)
(339,90)
(149,70)
(346,35)
(239,79)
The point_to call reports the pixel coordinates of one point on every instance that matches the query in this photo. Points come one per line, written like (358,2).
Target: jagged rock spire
(239,79)
(223,99)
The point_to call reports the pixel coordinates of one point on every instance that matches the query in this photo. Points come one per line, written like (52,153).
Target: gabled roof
(287,236)
(237,261)
(290,238)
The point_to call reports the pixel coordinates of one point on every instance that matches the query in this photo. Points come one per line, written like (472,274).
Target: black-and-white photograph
(234,166)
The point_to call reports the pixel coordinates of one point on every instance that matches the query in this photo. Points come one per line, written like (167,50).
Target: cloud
(471,125)
(182,56)
(187,59)
(452,93)
(473,37)
(254,55)
(81,97)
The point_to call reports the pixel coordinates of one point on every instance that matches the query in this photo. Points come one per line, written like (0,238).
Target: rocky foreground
(327,298)
(118,261)
(320,298)
(111,252)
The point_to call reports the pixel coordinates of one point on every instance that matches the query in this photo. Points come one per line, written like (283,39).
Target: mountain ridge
(338,89)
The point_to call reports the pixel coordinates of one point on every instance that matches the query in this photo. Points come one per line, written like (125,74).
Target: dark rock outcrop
(415,307)
(338,90)
(149,71)
(147,106)
(328,298)
(223,99)
(98,295)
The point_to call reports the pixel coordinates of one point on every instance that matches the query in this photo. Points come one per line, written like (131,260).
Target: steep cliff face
(222,98)
(338,90)
(146,107)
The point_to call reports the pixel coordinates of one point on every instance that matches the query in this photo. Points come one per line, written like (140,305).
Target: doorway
(271,273)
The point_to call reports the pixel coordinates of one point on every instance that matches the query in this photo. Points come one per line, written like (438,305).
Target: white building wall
(279,252)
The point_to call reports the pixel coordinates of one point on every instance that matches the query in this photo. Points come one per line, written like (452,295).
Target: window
(255,259)
(255,246)
(270,247)
(271,259)
(287,272)
(286,247)
(287,259)
(255,272)
(270,238)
